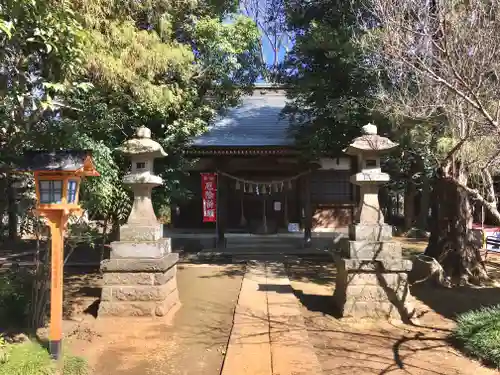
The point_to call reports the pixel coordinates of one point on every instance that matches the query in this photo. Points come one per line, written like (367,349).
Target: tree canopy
(329,81)
(85,74)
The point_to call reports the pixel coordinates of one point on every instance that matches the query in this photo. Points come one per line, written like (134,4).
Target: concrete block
(376,293)
(118,278)
(371,310)
(126,309)
(370,250)
(361,232)
(387,279)
(144,249)
(114,307)
(379,265)
(139,233)
(155,265)
(162,308)
(142,293)
(161,278)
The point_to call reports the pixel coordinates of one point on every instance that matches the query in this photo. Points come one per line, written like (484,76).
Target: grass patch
(479,333)
(30,358)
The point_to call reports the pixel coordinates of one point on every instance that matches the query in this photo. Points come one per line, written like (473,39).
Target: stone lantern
(140,277)
(142,223)
(368,149)
(372,276)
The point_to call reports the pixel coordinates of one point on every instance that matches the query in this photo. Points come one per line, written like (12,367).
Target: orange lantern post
(57,182)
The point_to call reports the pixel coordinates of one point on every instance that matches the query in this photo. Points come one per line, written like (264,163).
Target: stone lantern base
(139,279)
(372,276)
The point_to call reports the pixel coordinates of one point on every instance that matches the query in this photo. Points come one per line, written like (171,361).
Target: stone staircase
(263,243)
(241,248)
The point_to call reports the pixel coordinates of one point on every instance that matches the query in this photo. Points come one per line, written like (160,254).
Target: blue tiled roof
(257,121)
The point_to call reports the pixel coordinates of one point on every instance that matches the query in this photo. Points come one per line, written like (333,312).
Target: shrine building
(264,185)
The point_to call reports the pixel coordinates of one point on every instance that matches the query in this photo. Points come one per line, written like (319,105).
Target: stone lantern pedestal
(140,276)
(372,276)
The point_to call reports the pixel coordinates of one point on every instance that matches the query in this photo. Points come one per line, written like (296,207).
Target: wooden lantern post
(57,182)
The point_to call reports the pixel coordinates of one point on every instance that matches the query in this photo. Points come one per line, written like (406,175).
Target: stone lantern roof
(370,141)
(142,144)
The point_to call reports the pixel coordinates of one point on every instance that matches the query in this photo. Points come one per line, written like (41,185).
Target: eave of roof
(241,151)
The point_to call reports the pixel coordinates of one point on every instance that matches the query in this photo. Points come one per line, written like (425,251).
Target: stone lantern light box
(58,176)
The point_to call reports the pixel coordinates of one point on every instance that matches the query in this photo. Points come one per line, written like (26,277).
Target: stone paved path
(269,336)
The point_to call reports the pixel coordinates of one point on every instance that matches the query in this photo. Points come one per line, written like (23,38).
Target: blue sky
(266,45)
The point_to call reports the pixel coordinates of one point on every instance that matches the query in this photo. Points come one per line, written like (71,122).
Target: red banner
(209,194)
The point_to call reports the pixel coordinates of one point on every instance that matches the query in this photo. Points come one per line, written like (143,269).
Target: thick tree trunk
(409,205)
(451,242)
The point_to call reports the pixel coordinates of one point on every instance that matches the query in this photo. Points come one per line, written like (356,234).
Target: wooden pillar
(306,199)
(222,185)
(57,221)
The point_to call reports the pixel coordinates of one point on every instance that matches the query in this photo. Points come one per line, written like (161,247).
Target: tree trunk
(451,242)
(12,208)
(423,214)
(409,205)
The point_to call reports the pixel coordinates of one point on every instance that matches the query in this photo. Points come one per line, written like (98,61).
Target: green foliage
(329,80)
(30,358)
(479,332)
(93,70)
(4,352)
(171,70)
(40,46)
(15,295)
(75,366)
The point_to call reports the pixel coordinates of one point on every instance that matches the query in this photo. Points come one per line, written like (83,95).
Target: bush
(15,297)
(30,358)
(479,333)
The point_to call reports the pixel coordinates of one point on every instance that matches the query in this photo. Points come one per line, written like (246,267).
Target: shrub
(27,359)
(15,296)
(479,333)
(30,358)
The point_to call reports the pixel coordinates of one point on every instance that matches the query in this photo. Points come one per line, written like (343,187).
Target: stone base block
(373,250)
(139,287)
(361,232)
(144,249)
(140,264)
(372,292)
(136,232)
(139,309)
(369,265)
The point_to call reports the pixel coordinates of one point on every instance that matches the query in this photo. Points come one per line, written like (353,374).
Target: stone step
(258,245)
(261,241)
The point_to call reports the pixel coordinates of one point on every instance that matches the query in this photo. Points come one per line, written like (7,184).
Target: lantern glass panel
(72,187)
(50,191)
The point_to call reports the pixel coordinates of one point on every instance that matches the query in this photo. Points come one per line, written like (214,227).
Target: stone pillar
(372,276)
(140,278)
